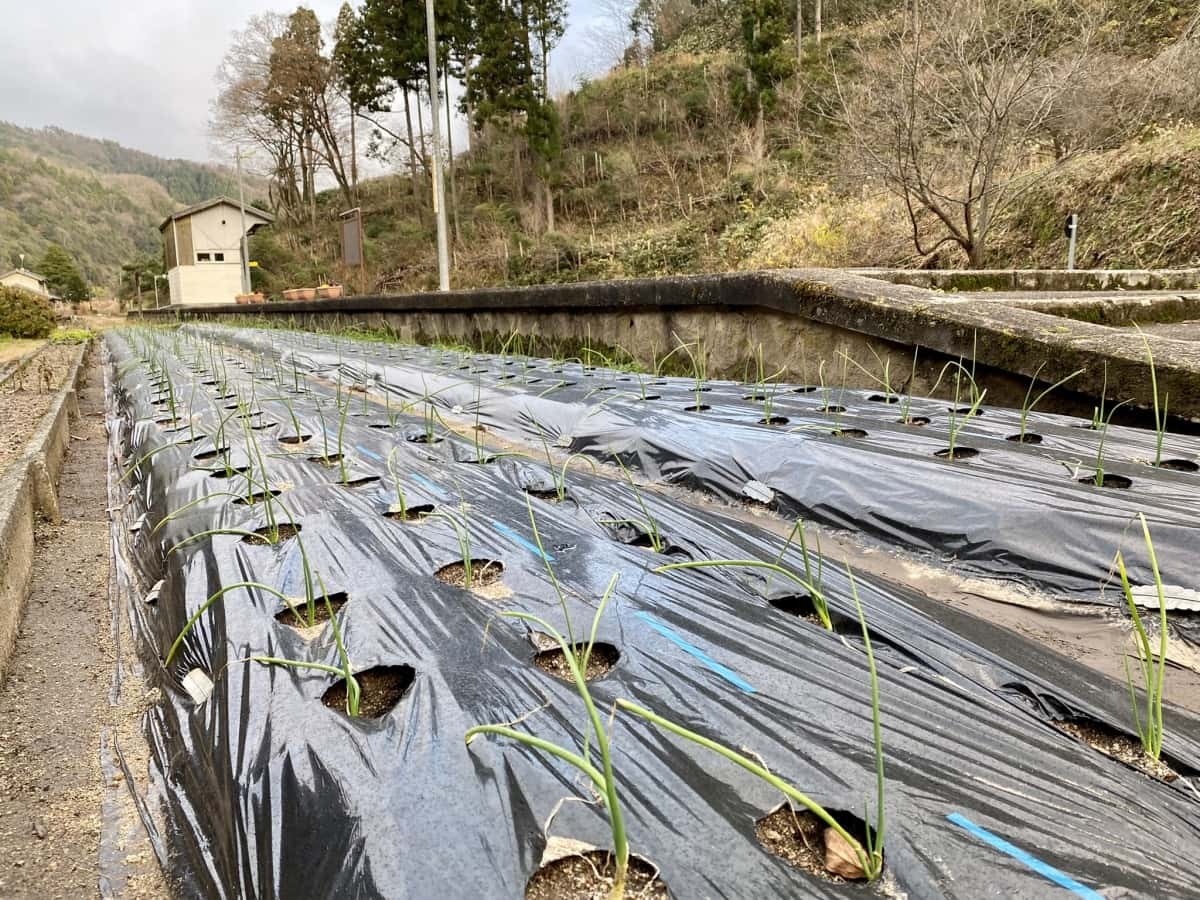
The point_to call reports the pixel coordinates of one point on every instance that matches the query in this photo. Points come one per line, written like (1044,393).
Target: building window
(218,257)
(203,257)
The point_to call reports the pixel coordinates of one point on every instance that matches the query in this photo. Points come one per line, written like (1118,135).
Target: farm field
(488,618)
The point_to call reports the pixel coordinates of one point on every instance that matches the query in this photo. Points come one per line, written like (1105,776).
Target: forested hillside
(99,200)
(941,134)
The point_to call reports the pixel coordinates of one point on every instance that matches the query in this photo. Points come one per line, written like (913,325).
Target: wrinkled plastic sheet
(989,515)
(270,793)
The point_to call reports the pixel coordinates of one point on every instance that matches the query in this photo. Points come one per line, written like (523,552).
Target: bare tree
(952,112)
(277,94)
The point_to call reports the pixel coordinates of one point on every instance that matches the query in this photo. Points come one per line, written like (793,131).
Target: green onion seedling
(604,777)
(1029,404)
(462,533)
(1160,411)
(346,670)
(657,543)
(1150,726)
(1098,478)
(870,857)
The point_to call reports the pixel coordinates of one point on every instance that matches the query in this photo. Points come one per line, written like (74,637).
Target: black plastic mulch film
(268,792)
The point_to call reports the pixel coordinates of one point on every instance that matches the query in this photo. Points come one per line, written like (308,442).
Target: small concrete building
(203,247)
(23,278)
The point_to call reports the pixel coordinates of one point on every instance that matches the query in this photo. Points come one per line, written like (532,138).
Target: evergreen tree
(766,29)
(62,276)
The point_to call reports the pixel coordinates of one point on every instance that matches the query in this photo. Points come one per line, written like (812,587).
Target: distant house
(23,278)
(203,247)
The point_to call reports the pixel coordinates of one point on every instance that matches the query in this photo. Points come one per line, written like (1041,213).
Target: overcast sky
(140,72)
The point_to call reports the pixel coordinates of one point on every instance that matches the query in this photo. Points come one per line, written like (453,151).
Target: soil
(380,689)
(601,661)
(1119,746)
(286,530)
(798,838)
(320,614)
(67,820)
(589,877)
(484,573)
(26,395)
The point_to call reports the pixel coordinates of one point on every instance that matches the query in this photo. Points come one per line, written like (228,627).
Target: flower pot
(256,297)
(329,291)
(307,293)
(296,294)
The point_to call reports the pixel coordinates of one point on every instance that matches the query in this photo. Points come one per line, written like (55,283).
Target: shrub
(24,314)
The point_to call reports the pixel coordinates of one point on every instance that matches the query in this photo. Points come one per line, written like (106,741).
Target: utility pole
(439,188)
(245,244)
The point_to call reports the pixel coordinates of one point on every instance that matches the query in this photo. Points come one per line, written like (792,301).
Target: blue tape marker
(1046,870)
(365,452)
(528,545)
(724,671)
(433,488)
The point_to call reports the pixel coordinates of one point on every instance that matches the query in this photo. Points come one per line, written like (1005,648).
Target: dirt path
(57,804)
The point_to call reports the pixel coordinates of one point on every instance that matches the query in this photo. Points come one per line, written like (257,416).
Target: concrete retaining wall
(1041,279)
(807,320)
(27,489)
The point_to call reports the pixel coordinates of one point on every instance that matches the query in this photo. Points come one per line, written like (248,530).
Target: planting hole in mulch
(701,408)
(804,389)
(774,420)
(327,461)
(1178,465)
(210,454)
(848,433)
(589,876)
(1109,480)
(648,397)
(964,411)
(601,661)
(359,481)
(422,438)
(295,439)
(827,409)
(918,421)
(1027,438)
(880,398)
(1120,747)
(484,572)
(257,497)
(802,607)
(549,495)
(756,397)
(380,689)
(412,513)
(804,841)
(229,472)
(263,535)
(957,454)
(320,613)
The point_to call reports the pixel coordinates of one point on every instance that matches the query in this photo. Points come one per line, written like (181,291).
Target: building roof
(34,275)
(208,204)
